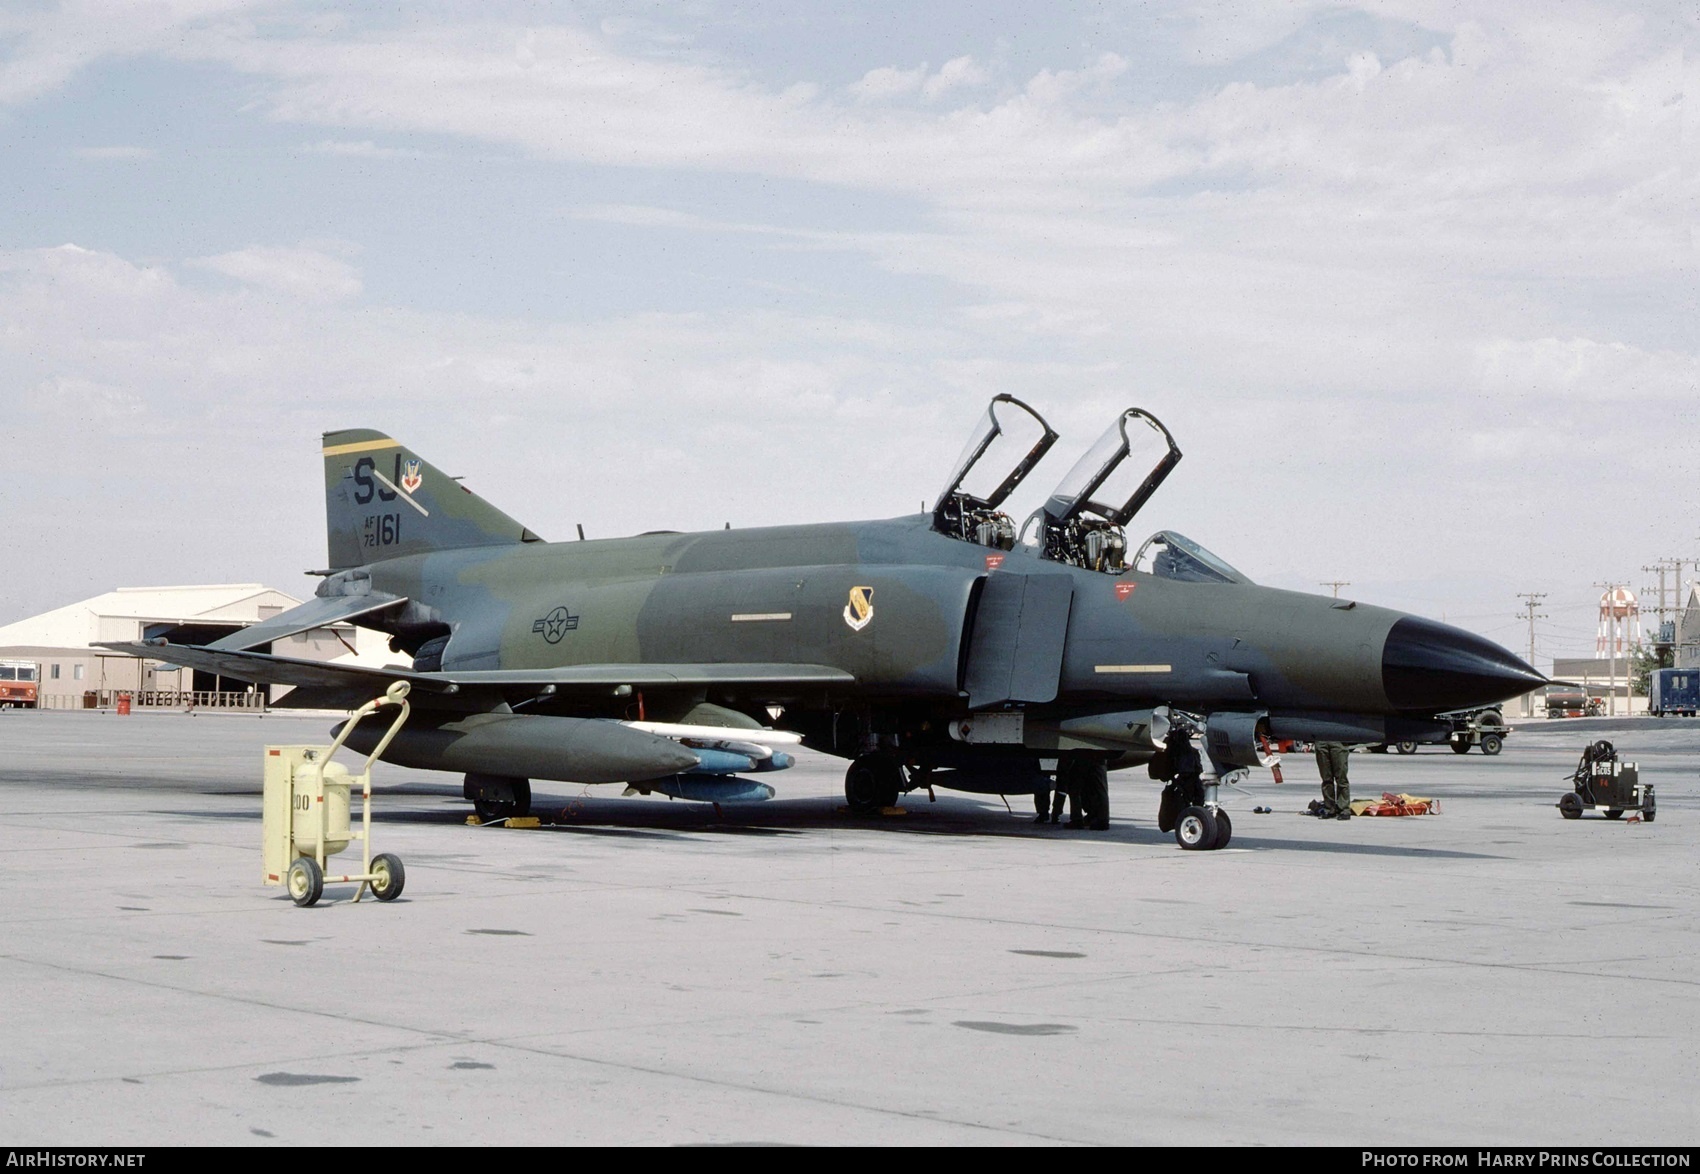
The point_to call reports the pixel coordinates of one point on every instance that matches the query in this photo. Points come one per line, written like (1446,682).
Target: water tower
(1620,623)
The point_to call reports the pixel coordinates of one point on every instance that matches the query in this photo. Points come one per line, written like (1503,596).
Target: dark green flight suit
(1331,761)
(1089,787)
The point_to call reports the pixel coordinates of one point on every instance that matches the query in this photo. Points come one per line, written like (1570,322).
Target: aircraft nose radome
(1432,668)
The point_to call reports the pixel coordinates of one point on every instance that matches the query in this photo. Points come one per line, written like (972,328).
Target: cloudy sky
(1412,282)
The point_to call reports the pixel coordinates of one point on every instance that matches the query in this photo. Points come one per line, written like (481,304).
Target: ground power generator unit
(1603,783)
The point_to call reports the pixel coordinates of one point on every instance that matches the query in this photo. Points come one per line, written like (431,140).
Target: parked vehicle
(19,680)
(1673,691)
(1572,701)
(1485,728)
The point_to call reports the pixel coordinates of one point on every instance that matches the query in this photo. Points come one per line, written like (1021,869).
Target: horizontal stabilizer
(315,613)
(284,670)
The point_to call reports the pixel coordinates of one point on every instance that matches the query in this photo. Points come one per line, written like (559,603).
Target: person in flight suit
(1331,760)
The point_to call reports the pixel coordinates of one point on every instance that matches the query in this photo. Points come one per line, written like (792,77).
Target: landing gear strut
(498,796)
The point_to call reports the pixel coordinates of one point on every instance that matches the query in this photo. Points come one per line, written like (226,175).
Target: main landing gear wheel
(873,782)
(1649,807)
(388,876)
(1460,746)
(1491,743)
(306,881)
(498,796)
(1196,829)
(1570,806)
(1406,747)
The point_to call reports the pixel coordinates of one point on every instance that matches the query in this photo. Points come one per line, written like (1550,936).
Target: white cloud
(954,74)
(878,85)
(298,272)
(51,42)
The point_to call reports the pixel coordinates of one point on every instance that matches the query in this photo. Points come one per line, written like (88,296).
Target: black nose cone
(1431,668)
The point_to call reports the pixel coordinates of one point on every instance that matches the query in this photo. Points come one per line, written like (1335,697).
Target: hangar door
(1016,650)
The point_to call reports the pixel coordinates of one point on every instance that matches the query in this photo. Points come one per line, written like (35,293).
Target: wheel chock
(524,821)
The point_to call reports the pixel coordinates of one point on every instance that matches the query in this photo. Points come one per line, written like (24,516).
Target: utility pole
(1661,566)
(1610,608)
(1531,601)
(1336,584)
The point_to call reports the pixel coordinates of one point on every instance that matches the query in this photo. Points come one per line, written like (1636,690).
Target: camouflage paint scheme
(864,637)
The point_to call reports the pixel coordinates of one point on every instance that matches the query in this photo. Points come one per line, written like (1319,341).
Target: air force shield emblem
(859,612)
(410,478)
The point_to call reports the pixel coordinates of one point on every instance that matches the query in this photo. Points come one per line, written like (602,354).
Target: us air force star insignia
(860,610)
(556,625)
(410,478)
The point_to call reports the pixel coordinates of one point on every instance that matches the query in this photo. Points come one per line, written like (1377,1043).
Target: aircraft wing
(315,613)
(285,670)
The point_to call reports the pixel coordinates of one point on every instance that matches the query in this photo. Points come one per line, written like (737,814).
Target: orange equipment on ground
(1391,804)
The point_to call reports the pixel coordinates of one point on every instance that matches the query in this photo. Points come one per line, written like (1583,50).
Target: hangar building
(74,675)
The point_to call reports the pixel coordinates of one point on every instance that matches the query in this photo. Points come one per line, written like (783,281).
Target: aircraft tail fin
(384,501)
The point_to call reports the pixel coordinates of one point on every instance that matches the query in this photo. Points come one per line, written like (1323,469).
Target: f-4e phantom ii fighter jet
(937,650)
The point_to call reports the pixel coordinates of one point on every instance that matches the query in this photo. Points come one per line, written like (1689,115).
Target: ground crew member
(1089,788)
(1062,795)
(1331,760)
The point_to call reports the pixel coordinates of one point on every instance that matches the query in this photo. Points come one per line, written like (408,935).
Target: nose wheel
(1203,829)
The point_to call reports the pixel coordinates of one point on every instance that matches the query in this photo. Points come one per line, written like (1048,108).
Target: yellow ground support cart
(307,800)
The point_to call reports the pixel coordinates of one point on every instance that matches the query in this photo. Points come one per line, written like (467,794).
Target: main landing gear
(873,783)
(498,796)
(1189,809)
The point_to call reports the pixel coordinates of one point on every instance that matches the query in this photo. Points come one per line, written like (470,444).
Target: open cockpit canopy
(1010,440)
(1119,473)
(1082,522)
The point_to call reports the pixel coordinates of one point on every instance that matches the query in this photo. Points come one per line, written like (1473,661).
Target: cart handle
(396,694)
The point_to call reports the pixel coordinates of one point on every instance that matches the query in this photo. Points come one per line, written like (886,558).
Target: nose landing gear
(1190,810)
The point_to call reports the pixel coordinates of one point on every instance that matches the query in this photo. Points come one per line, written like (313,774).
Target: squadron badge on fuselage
(411,479)
(859,612)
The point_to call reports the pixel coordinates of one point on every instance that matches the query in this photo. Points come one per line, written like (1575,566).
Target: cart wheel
(1377,747)
(1648,807)
(1196,829)
(388,876)
(1570,806)
(1224,829)
(1614,813)
(1459,746)
(1406,747)
(306,881)
(1491,743)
